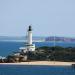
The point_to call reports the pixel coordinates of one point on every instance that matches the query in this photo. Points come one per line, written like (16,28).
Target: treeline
(53,54)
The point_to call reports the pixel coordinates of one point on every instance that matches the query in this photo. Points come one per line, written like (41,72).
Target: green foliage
(56,53)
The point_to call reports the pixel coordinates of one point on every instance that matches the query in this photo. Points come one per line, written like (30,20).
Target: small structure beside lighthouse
(29,46)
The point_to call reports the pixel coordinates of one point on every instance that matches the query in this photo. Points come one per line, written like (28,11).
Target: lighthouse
(30,46)
(30,35)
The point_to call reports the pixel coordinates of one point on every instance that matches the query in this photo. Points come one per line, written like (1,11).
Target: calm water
(8,47)
(35,70)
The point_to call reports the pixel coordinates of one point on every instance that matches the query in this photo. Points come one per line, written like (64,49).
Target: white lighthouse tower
(30,45)
(30,35)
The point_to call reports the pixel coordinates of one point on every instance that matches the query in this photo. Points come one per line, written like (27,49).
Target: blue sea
(36,70)
(9,47)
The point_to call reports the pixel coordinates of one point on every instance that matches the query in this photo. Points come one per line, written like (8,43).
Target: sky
(47,17)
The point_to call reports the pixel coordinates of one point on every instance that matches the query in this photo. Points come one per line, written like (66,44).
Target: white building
(29,46)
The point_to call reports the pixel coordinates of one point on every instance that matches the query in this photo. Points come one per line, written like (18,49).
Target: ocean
(36,70)
(9,47)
